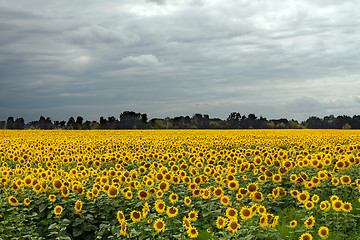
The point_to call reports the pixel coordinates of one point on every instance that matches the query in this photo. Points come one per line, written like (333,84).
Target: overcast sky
(167,58)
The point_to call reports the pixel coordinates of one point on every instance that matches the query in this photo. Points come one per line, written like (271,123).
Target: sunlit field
(180,184)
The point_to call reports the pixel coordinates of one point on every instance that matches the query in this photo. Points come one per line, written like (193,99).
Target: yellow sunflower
(172,211)
(192,232)
(27,201)
(160,206)
(233,225)
(306,236)
(193,215)
(293,223)
(245,213)
(221,222)
(159,225)
(135,216)
(173,198)
(323,232)
(309,223)
(231,213)
(58,210)
(13,201)
(120,216)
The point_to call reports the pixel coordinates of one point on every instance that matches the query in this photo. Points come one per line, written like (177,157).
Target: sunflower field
(180,184)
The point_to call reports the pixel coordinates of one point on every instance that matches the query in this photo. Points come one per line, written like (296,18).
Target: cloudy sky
(277,59)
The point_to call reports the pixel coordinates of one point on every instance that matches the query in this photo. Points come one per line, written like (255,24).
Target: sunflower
(13,201)
(173,198)
(273,221)
(193,215)
(333,198)
(120,216)
(58,210)
(187,201)
(323,232)
(129,195)
(65,192)
(159,194)
(245,213)
(309,205)
(37,188)
(163,186)
(303,196)
(231,213)
(337,205)
(123,228)
(309,223)
(225,200)
(257,196)
(172,211)
(262,178)
(345,180)
(57,184)
(243,191)
(221,222)
(135,216)
(145,210)
(89,195)
(293,223)
(306,236)
(206,194)
(186,223)
(347,207)
(233,225)
(252,187)
(78,206)
(233,185)
(325,206)
(263,221)
(261,210)
(335,181)
(143,195)
(239,197)
(112,192)
(27,201)
(52,198)
(293,177)
(27,181)
(315,198)
(159,225)
(160,206)
(192,232)
(276,178)
(218,192)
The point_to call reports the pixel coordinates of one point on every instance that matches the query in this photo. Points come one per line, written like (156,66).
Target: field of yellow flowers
(179,184)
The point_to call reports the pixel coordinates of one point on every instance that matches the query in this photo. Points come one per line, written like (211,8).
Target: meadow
(180,184)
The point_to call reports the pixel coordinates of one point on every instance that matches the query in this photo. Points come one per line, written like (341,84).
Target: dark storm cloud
(167,58)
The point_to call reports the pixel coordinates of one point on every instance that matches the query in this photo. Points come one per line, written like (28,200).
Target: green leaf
(77,222)
(77,232)
(42,207)
(65,222)
(52,226)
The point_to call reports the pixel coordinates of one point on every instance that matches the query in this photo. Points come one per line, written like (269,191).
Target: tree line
(133,120)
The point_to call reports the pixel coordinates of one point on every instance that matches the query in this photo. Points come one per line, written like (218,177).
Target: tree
(200,121)
(19,123)
(71,124)
(103,123)
(10,123)
(79,121)
(94,125)
(313,123)
(130,120)
(233,120)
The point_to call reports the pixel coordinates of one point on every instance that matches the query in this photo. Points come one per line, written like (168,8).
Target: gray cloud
(277,59)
